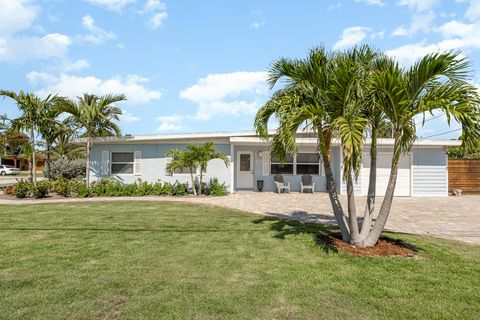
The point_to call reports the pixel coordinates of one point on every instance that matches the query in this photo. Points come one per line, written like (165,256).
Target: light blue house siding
(295,180)
(153,163)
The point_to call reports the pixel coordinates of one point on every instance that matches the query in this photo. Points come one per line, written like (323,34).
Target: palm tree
(202,154)
(183,159)
(29,122)
(49,126)
(437,82)
(63,146)
(93,116)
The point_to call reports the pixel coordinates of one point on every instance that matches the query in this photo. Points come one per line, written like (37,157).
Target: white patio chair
(280,184)
(307,183)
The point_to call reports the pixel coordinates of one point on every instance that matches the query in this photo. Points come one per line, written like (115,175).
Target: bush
(65,169)
(63,187)
(9,190)
(216,188)
(83,191)
(40,191)
(180,189)
(23,189)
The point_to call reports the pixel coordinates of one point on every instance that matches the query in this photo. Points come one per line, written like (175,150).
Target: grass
(144,260)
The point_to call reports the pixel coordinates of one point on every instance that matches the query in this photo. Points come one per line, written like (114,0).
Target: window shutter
(137,158)
(265,163)
(167,161)
(105,163)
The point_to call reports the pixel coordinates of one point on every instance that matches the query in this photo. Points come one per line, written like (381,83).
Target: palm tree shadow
(299,223)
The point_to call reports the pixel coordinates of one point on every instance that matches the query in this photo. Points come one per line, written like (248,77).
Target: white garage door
(384,161)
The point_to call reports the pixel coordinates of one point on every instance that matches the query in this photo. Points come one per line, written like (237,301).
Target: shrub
(216,188)
(62,187)
(83,191)
(66,169)
(23,189)
(9,190)
(180,189)
(40,191)
(167,189)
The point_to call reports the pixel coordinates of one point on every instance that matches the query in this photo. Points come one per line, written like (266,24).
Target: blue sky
(191,66)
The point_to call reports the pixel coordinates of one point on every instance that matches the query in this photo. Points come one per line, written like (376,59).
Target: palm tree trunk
(34,160)
(200,182)
(193,182)
(352,210)
(372,186)
(87,173)
(332,190)
(49,156)
(381,220)
(30,172)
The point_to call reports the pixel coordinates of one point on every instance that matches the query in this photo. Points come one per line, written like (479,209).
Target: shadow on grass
(300,223)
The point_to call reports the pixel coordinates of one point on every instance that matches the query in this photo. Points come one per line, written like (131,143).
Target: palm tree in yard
(93,116)
(342,93)
(30,120)
(204,153)
(437,82)
(183,159)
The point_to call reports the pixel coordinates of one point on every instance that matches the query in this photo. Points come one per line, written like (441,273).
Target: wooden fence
(464,174)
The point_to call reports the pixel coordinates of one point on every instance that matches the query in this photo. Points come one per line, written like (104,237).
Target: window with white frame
(122,163)
(299,164)
(277,167)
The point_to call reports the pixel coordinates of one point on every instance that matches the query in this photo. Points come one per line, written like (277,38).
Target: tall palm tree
(63,146)
(49,126)
(437,82)
(93,116)
(30,120)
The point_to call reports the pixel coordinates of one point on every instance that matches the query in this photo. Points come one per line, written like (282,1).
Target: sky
(200,66)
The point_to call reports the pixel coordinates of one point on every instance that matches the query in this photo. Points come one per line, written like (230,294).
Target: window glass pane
(183,170)
(308,169)
(122,168)
(244,162)
(308,158)
(281,169)
(122,156)
(288,159)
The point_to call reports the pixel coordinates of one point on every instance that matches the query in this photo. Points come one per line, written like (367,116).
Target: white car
(4,170)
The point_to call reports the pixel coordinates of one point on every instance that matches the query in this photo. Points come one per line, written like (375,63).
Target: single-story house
(423,171)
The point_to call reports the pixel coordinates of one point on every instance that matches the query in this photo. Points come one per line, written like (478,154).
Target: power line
(440,134)
(422,122)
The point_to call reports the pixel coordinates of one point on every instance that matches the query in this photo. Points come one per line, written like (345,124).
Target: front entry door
(245,170)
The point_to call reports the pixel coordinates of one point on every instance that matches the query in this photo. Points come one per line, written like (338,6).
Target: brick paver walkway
(448,217)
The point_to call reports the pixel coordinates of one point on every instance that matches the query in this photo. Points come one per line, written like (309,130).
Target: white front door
(245,170)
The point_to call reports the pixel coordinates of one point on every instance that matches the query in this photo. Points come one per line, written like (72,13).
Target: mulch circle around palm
(385,247)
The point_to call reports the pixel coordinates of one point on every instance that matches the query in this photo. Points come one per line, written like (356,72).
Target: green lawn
(143,260)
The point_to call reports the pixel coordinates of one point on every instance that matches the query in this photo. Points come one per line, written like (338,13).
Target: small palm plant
(183,159)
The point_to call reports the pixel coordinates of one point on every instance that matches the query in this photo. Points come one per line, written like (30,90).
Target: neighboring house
(423,171)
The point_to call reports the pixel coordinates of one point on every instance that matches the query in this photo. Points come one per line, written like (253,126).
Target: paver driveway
(448,217)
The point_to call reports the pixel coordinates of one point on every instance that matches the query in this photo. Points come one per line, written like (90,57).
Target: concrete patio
(447,217)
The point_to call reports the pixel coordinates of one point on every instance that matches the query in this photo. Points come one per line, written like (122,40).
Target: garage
(384,161)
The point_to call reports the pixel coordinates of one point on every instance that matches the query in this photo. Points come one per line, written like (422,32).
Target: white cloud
(97,35)
(113,5)
(157,20)
(350,37)
(455,34)
(227,94)
(418,5)
(372,2)
(76,65)
(16,15)
(171,123)
(127,117)
(153,5)
(473,11)
(257,24)
(21,49)
(400,32)
(133,86)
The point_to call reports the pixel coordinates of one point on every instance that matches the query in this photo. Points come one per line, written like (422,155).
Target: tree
(203,153)
(438,81)
(63,147)
(94,116)
(30,120)
(49,127)
(339,94)
(195,157)
(183,159)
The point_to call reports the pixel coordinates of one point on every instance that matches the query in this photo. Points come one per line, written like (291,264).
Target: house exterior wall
(268,183)
(430,171)
(153,163)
